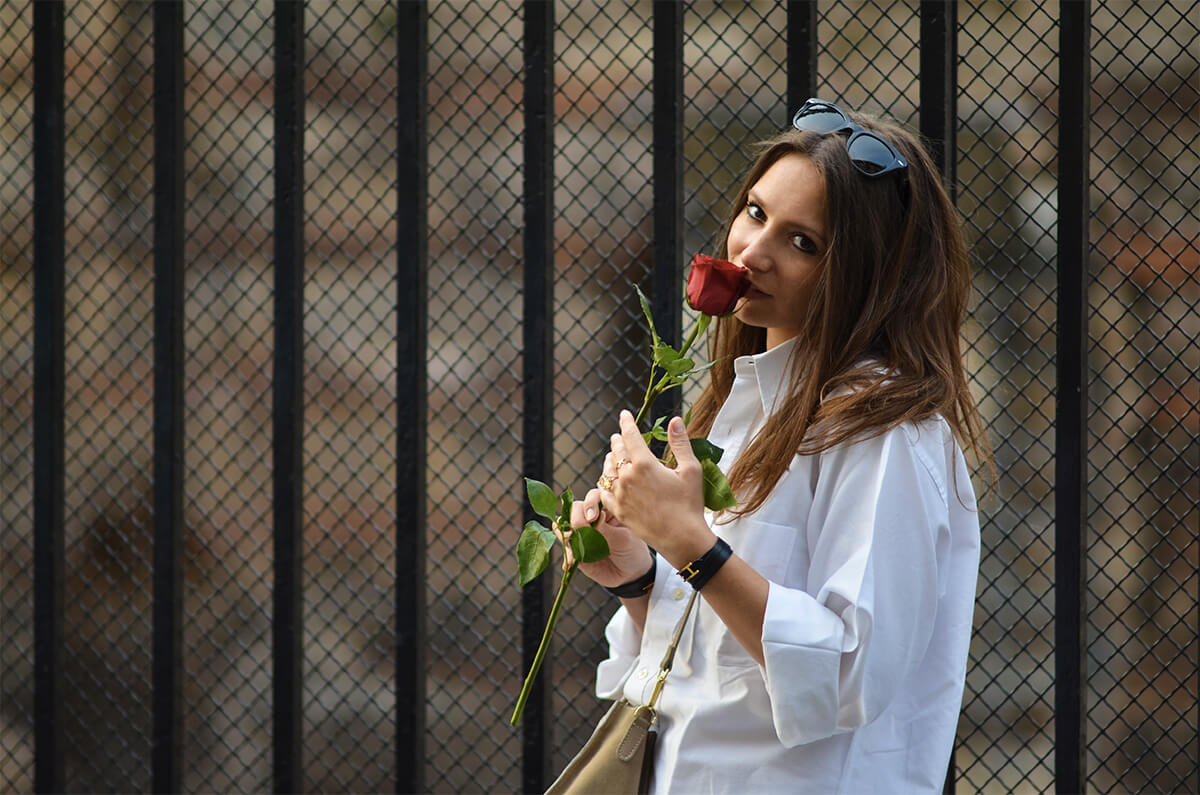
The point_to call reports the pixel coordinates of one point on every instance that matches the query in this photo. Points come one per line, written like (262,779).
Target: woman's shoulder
(926,444)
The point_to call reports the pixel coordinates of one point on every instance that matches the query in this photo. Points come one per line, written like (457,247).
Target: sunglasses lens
(870,154)
(821,120)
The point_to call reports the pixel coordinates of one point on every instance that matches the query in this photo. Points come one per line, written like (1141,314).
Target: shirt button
(642,674)
(677,594)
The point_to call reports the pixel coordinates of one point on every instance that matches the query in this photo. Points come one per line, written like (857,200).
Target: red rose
(715,285)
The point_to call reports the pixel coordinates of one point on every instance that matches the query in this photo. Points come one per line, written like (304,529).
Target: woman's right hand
(629,557)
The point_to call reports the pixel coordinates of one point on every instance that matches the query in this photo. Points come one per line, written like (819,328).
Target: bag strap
(664,667)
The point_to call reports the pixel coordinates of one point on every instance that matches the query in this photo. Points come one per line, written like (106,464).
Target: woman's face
(780,236)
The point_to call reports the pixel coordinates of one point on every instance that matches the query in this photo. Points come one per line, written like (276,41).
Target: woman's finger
(633,447)
(565,540)
(587,510)
(620,459)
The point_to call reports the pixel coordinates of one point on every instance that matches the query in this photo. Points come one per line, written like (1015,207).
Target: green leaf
(664,354)
(705,367)
(533,552)
(707,451)
(541,498)
(679,367)
(657,430)
(717,494)
(589,545)
(648,313)
(564,515)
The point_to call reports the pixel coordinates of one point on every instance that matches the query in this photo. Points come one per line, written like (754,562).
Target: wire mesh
(603,247)
(1007,141)
(1144,323)
(228,337)
(475,305)
(1145,301)
(16,398)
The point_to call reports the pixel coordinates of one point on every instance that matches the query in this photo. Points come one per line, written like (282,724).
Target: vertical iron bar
(939,107)
(49,262)
(538,342)
(666,294)
(287,626)
(411,401)
(802,48)
(1070,421)
(167,739)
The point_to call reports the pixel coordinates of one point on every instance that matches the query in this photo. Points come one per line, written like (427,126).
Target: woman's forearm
(637,609)
(738,595)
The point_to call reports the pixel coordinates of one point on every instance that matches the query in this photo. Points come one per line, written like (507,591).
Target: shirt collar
(771,370)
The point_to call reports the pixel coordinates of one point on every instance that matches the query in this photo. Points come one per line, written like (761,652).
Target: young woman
(828,650)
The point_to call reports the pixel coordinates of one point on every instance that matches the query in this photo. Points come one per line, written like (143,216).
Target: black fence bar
(538,420)
(939,113)
(666,303)
(412,254)
(802,49)
(49,262)
(167,736)
(939,85)
(1070,420)
(287,625)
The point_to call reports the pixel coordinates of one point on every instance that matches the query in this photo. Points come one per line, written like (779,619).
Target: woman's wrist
(698,572)
(639,586)
(690,547)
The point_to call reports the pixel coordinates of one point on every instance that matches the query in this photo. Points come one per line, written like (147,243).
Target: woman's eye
(755,212)
(805,244)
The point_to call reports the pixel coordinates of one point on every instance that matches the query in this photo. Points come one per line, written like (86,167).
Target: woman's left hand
(662,506)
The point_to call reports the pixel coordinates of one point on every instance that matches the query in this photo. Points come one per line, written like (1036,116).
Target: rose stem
(541,652)
(654,390)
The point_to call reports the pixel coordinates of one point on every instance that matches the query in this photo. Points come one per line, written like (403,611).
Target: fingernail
(626,413)
(591,514)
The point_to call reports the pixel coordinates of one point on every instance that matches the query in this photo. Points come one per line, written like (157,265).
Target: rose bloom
(715,285)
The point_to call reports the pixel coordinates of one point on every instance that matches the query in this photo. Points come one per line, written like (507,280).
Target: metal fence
(291,297)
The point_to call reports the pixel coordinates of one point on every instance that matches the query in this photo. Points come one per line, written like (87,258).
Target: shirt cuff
(800,635)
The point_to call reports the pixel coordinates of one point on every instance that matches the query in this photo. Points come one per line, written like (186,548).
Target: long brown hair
(880,345)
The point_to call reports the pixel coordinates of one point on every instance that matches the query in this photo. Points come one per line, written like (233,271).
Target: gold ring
(605,482)
(622,463)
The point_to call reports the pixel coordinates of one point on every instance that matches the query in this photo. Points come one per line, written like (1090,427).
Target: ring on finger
(622,463)
(606,483)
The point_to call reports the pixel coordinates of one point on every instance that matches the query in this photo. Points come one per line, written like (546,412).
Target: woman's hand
(628,558)
(663,507)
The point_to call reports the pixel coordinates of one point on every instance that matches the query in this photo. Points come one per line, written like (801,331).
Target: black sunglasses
(870,154)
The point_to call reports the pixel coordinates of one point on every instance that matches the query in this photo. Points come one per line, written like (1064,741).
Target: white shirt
(872,553)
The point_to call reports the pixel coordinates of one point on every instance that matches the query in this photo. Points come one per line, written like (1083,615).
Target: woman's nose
(756,254)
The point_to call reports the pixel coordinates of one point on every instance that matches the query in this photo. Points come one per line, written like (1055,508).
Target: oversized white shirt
(872,553)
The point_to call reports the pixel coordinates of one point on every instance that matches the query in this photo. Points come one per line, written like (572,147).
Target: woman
(828,651)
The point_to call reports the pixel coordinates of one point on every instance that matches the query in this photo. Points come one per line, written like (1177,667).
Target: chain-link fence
(1143,323)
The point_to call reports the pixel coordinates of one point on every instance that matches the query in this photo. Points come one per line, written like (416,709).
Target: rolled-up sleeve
(837,651)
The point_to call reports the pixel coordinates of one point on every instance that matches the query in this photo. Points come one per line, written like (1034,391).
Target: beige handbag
(619,756)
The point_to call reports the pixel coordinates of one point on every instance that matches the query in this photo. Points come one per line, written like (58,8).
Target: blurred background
(1143,326)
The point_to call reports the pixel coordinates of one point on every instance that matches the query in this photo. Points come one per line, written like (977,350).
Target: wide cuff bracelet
(639,587)
(701,570)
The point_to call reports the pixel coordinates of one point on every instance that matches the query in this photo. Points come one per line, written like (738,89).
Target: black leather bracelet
(701,570)
(639,587)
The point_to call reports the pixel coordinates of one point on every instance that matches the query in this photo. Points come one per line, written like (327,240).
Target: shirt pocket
(775,551)
(769,548)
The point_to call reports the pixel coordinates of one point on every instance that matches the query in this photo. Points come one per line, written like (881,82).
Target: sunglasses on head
(870,154)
